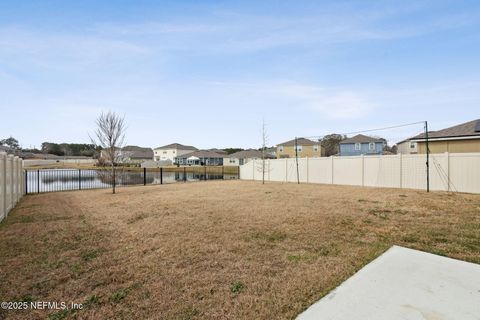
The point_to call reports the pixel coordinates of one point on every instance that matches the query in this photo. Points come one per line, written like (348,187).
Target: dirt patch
(217,249)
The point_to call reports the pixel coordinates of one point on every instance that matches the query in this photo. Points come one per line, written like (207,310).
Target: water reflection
(69,179)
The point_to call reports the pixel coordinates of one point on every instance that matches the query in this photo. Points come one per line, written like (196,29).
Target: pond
(50,180)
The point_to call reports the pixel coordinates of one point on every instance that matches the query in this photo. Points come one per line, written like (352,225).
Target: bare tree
(264,148)
(110,136)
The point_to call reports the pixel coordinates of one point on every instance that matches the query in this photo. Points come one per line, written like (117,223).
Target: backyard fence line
(455,172)
(52,180)
(11,183)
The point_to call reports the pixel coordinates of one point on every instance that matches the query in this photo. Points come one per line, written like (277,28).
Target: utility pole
(428,156)
(296,159)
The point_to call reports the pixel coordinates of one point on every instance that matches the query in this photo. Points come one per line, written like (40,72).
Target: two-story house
(302,147)
(171,151)
(461,138)
(361,144)
(241,157)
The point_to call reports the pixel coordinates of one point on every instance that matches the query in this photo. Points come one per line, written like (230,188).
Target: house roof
(202,154)
(177,146)
(467,129)
(248,154)
(300,142)
(360,138)
(137,152)
(218,151)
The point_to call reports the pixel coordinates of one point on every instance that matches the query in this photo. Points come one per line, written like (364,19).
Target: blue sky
(205,73)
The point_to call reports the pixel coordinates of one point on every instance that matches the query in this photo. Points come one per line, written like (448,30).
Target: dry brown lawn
(215,250)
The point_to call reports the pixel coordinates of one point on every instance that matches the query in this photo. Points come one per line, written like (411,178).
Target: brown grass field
(215,250)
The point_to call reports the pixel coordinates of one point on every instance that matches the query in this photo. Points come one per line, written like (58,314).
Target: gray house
(200,158)
(361,144)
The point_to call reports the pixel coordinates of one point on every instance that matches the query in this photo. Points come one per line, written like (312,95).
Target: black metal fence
(51,180)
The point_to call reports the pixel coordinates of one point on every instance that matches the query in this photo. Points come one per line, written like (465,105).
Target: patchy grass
(219,249)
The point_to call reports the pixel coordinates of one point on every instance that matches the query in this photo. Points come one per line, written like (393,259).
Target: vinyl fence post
(3,184)
(401,170)
(331,168)
(144,176)
(308,169)
(161,175)
(26,182)
(363,170)
(13,181)
(447,154)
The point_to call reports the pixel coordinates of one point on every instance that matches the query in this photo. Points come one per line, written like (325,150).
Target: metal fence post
(161,175)
(26,182)
(144,176)
(184,174)
(79,179)
(205,173)
(38,181)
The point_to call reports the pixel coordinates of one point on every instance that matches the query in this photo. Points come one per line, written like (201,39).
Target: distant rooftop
(177,146)
(471,128)
(360,138)
(247,154)
(300,142)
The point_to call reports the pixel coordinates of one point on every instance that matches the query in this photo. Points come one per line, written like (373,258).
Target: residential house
(200,158)
(170,151)
(461,138)
(219,151)
(241,157)
(361,145)
(304,148)
(130,154)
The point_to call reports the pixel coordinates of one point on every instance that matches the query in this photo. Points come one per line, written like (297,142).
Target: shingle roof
(360,138)
(300,142)
(471,128)
(177,146)
(136,152)
(248,154)
(202,154)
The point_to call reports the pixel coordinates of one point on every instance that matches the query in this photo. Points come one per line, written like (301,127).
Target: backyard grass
(215,250)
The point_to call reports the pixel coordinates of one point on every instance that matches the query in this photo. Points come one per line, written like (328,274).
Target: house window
(299,148)
(357,146)
(280,149)
(371,146)
(315,148)
(413,145)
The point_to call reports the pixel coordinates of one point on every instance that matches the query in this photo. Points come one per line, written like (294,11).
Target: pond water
(50,180)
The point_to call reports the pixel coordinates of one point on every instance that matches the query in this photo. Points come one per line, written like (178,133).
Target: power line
(378,129)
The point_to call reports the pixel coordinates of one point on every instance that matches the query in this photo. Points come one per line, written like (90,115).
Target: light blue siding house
(361,144)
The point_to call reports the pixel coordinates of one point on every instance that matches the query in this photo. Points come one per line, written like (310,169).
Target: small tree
(10,142)
(331,143)
(264,148)
(110,136)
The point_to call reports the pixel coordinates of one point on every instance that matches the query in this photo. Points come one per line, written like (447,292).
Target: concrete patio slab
(404,284)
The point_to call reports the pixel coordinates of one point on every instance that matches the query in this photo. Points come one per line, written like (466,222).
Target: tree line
(59,149)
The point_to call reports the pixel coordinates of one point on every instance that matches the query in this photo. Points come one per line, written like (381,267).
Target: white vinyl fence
(457,172)
(11,183)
